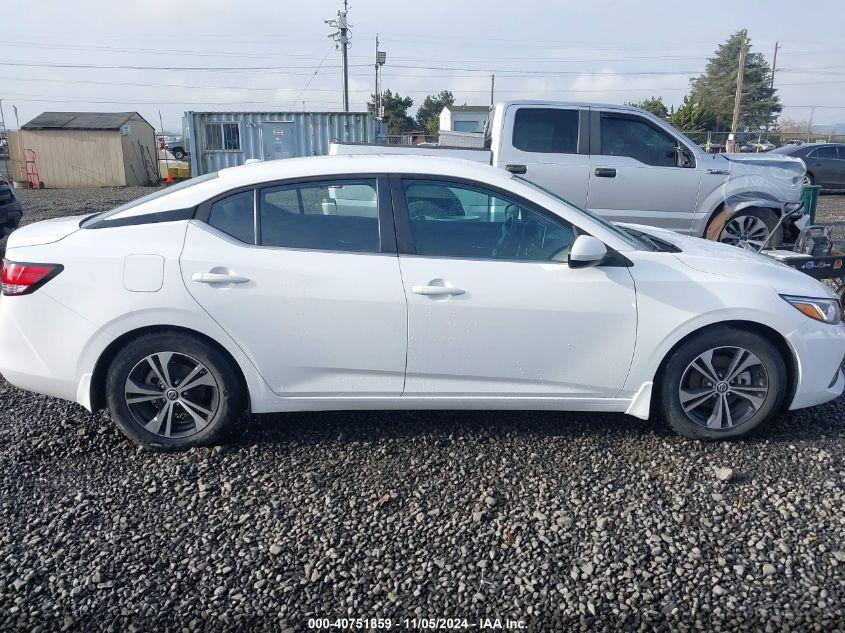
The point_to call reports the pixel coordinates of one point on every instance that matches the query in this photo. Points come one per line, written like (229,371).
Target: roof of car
(577,104)
(361,164)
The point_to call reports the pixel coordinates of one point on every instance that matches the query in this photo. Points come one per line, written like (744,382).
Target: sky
(167,56)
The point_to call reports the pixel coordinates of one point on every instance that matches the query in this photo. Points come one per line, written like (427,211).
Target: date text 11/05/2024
(344,624)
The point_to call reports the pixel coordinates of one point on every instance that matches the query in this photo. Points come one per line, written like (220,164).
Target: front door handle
(605,172)
(437,291)
(218,278)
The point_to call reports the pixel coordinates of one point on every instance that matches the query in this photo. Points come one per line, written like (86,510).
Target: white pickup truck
(629,166)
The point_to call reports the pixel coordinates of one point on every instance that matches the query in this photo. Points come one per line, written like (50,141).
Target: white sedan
(390,282)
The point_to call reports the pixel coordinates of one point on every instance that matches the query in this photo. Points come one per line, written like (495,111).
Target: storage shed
(226,139)
(87,149)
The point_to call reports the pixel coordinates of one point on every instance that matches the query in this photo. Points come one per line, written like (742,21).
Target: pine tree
(715,88)
(428,116)
(694,119)
(654,105)
(395,111)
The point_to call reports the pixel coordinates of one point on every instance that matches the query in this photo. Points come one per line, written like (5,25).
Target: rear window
(153,196)
(546,130)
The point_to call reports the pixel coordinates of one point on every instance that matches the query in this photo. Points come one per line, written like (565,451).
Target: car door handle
(605,172)
(516,169)
(218,278)
(437,291)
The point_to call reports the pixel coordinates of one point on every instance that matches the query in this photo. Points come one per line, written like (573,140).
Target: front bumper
(819,350)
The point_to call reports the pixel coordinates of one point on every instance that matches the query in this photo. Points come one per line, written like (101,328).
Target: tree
(715,88)
(395,111)
(694,119)
(654,105)
(428,116)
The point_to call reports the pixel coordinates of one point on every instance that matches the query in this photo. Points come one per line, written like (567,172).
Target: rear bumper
(41,345)
(819,350)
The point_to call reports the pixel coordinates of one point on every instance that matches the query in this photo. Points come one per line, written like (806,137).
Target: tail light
(18,278)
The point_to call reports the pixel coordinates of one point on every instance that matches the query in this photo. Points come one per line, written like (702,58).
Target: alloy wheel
(172,394)
(723,387)
(745,230)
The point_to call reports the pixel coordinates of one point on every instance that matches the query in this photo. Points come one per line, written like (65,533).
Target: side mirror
(587,251)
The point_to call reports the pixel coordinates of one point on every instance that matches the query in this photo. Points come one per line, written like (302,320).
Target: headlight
(824,310)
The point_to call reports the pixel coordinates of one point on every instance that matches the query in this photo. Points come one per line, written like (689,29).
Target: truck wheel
(750,226)
(178,153)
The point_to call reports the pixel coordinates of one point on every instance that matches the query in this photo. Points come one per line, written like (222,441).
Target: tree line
(707,107)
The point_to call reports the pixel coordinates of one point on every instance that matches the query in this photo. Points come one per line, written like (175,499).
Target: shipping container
(226,139)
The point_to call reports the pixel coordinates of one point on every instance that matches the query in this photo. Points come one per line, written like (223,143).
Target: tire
(178,153)
(751,225)
(809,180)
(212,401)
(764,384)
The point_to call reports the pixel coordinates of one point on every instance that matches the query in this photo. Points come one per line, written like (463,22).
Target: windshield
(153,196)
(629,238)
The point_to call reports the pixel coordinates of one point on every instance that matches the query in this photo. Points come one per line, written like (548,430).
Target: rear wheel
(723,383)
(173,391)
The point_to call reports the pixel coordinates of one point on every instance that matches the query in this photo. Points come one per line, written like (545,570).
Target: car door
(549,145)
(638,175)
(309,288)
(823,162)
(494,309)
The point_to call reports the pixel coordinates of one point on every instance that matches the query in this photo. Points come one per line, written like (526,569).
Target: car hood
(731,261)
(45,232)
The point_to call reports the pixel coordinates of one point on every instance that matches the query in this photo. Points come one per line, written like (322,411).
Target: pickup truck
(628,165)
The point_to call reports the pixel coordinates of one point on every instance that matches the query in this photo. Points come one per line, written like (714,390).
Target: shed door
(277,141)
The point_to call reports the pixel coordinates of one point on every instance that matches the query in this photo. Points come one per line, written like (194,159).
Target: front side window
(235,216)
(633,137)
(222,137)
(333,216)
(463,221)
(546,130)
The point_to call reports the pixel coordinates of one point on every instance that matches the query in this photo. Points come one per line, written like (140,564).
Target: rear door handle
(437,291)
(218,278)
(605,172)
(516,169)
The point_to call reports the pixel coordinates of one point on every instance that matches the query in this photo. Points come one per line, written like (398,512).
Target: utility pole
(341,38)
(810,124)
(381,59)
(740,73)
(772,81)
(774,65)
(376,93)
(5,136)
(492,88)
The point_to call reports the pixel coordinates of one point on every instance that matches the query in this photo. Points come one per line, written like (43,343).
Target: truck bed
(477,155)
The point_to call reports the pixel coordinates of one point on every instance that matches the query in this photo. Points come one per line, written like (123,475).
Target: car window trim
(384,209)
(405,239)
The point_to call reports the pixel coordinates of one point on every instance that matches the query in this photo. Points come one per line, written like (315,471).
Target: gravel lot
(565,521)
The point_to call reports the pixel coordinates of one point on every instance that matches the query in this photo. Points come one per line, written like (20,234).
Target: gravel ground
(563,521)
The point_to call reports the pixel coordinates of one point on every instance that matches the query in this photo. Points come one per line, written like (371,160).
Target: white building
(463,118)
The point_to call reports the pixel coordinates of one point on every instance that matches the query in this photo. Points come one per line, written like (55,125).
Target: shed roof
(81,120)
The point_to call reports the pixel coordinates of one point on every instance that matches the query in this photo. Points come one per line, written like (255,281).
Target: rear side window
(337,215)
(633,137)
(234,216)
(546,130)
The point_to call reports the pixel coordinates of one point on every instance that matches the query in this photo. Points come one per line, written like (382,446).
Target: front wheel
(722,383)
(808,179)
(749,228)
(172,390)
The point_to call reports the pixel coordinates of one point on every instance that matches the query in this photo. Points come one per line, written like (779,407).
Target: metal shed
(225,139)
(87,149)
